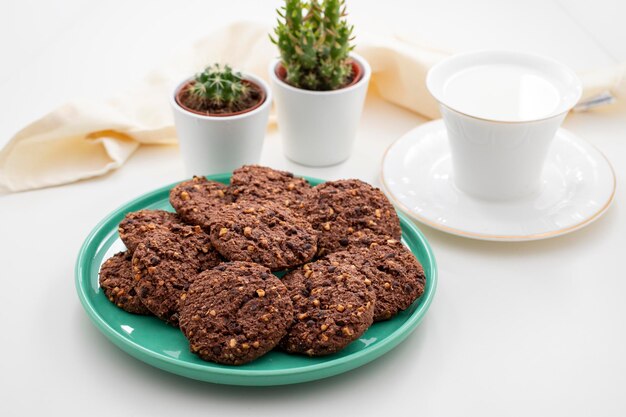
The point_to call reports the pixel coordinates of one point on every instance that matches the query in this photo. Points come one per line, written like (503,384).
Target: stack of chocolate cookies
(207,268)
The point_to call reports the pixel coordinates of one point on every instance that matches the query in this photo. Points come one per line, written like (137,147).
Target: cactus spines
(314,40)
(219,90)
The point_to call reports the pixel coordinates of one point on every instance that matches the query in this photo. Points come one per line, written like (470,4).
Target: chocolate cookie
(350,238)
(339,209)
(391,270)
(235,313)
(257,183)
(137,225)
(198,199)
(116,280)
(166,263)
(332,308)
(263,233)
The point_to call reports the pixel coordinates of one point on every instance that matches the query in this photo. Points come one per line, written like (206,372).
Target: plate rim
(495,237)
(173,365)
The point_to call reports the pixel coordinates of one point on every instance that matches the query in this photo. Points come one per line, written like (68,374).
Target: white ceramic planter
(216,144)
(318,128)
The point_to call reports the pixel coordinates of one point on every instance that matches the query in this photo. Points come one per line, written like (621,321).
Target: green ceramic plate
(165,347)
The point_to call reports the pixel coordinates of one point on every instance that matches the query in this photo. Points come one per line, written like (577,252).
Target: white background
(536,328)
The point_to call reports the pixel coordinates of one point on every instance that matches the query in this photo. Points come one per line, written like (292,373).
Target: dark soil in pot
(186,100)
(357,74)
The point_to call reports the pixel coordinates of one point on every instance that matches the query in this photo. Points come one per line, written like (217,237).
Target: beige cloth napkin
(83,139)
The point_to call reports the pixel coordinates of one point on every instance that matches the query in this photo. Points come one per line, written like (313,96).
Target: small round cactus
(219,90)
(314,40)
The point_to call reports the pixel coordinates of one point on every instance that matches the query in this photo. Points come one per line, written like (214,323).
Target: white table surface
(536,328)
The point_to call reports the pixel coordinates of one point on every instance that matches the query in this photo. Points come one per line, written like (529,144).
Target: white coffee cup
(501,110)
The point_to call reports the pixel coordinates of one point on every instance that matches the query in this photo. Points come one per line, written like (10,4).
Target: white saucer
(578,187)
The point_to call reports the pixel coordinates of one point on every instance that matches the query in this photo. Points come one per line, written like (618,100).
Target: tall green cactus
(218,87)
(314,40)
